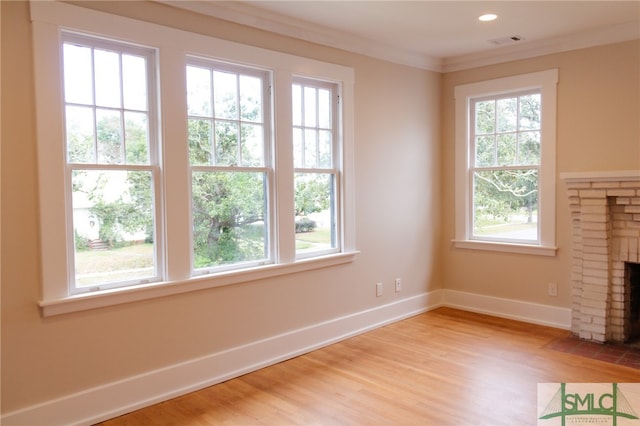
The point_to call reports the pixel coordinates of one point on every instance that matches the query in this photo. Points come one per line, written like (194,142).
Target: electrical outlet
(552,289)
(378,289)
(398,285)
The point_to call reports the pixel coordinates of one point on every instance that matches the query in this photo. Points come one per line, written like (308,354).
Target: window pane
(310,106)
(252,145)
(113,226)
(506,114)
(80,135)
(314,212)
(136,133)
(529,147)
(78,81)
(225,95)
(107,81)
(134,82)
(530,112)
(296,94)
(505,204)
(485,151)
(485,117)
(325,144)
(297,147)
(229,218)
(324,109)
(251,98)
(226,144)
(507,146)
(199,142)
(109,135)
(199,91)
(310,151)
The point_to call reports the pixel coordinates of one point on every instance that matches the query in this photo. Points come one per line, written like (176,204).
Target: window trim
(49,19)
(546,82)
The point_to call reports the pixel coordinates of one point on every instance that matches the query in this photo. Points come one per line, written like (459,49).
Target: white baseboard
(551,316)
(123,396)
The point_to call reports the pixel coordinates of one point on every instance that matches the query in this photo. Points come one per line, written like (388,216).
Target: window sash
(475,171)
(120,108)
(315,112)
(230,245)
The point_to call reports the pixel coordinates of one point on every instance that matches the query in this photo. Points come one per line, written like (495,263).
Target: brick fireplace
(605,229)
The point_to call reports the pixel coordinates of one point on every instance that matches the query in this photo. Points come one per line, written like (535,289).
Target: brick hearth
(605,224)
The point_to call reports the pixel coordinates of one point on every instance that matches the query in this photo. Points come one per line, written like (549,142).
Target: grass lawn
(307,240)
(136,256)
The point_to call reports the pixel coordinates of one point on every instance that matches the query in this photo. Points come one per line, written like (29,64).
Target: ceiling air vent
(506,40)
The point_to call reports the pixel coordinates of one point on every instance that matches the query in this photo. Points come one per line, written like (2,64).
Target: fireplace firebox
(632,289)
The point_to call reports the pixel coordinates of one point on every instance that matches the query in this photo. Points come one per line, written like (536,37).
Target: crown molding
(614,34)
(245,14)
(242,13)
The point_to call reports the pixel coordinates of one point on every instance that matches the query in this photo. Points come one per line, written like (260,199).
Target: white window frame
(173,46)
(336,160)
(152,166)
(546,83)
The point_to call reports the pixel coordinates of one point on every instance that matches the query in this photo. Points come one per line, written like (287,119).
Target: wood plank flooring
(444,367)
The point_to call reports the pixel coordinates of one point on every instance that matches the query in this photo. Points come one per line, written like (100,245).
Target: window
(111,163)
(315,112)
(505,164)
(171,161)
(231,174)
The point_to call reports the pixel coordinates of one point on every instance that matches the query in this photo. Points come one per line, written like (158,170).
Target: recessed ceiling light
(488,17)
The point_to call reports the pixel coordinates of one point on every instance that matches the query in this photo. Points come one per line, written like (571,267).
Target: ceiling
(438,35)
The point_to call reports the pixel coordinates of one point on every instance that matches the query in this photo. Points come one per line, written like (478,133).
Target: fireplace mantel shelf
(607,176)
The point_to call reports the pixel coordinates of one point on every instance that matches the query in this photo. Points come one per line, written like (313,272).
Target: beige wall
(398,191)
(405,209)
(598,129)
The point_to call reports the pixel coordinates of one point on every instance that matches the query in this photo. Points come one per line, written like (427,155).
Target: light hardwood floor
(444,367)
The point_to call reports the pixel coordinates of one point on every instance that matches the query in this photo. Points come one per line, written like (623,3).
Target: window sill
(100,299)
(506,247)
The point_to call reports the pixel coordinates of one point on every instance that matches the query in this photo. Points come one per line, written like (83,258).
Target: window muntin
(505,161)
(316,167)
(229,148)
(111,167)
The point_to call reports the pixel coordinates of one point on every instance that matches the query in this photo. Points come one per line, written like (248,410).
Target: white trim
(505,247)
(116,398)
(119,397)
(546,81)
(534,313)
(606,176)
(100,299)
